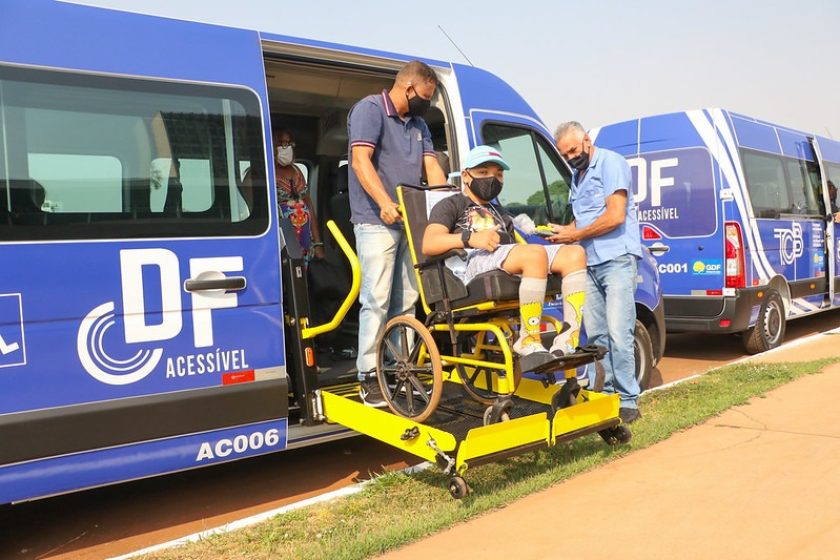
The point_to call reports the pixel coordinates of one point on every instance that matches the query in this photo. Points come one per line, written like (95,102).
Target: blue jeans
(389,285)
(610,319)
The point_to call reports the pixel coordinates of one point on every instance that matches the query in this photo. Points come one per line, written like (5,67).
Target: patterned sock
(574,288)
(531,296)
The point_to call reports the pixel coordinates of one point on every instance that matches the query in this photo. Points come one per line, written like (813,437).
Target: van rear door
(680,211)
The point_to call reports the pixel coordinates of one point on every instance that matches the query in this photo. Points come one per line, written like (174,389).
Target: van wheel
(769,329)
(643,354)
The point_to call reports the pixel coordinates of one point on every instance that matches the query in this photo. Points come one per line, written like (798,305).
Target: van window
(535,175)
(78,182)
(766,183)
(832,172)
(89,157)
(804,189)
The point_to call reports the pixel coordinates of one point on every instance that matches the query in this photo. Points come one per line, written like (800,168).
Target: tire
(458,488)
(642,355)
(769,329)
(411,389)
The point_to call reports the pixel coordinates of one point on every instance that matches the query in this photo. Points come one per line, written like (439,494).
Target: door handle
(659,249)
(226,283)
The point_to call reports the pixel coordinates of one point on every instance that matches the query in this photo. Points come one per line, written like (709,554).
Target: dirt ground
(759,481)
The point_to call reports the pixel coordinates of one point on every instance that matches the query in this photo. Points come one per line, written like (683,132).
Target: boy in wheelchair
(472,222)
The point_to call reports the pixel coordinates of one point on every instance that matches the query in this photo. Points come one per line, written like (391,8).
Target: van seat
(340,206)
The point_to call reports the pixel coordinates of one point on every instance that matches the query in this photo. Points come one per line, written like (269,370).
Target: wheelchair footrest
(581,356)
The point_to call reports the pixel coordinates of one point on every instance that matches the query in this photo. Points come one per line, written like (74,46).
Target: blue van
(739,214)
(155,315)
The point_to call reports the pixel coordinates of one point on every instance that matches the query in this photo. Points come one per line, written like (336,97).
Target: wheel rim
(410,389)
(468,380)
(773,323)
(640,360)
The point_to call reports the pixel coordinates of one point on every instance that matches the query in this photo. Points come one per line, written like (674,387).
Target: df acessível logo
(121,358)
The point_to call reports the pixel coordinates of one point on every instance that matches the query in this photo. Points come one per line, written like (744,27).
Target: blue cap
(484,154)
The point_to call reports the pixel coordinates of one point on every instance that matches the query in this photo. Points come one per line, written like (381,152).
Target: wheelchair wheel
(478,383)
(408,368)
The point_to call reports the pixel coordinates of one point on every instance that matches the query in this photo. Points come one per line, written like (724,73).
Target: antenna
(829,133)
(442,30)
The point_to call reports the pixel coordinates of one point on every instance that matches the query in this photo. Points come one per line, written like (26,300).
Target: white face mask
(285,155)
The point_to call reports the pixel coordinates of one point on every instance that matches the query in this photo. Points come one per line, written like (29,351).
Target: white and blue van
(738,213)
(153,310)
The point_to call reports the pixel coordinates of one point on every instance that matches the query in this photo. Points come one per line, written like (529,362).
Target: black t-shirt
(458,212)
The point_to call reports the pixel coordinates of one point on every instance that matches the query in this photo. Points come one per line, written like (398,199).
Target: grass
(398,508)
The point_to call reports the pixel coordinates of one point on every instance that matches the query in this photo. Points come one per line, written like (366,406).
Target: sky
(596,62)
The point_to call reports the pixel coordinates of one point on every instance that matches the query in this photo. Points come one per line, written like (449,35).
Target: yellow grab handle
(310,332)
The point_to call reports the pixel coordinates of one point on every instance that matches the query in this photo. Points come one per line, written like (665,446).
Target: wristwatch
(465,238)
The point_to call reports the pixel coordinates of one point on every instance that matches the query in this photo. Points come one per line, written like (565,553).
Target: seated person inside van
(472,222)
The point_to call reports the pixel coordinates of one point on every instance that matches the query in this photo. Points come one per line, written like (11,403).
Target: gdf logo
(790,243)
(91,340)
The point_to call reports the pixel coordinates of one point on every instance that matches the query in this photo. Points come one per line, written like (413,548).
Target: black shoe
(629,415)
(370,394)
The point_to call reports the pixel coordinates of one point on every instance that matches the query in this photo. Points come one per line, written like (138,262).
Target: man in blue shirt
(606,225)
(390,144)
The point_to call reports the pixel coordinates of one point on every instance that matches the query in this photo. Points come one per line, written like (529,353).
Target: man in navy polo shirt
(390,144)
(606,226)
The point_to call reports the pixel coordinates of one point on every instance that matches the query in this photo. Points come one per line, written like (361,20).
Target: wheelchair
(467,336)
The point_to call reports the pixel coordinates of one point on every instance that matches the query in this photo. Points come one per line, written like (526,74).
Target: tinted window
(100,157)
(766,183)
(535,174)
(804,188)
(832,172)
(558,183)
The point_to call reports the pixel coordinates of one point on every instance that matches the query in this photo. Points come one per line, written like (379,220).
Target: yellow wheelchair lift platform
(460,430)
(458,434)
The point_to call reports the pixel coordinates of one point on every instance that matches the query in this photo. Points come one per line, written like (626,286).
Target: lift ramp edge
(592,409)
(381,424)
(504,436)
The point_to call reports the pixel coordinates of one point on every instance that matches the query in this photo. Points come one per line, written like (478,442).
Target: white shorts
(480,261)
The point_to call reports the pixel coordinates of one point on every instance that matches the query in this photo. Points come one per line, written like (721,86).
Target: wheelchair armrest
(438,259)
(428,187)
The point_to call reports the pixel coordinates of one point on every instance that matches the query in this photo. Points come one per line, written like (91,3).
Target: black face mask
(485,188)
(417,106)
(580,161)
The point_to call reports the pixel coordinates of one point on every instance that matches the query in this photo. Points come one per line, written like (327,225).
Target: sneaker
(629,415)
(414,391)
(561,346)
(527,348)
(370,394)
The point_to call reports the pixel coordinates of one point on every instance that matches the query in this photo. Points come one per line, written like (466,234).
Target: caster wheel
(498,411)
(458,488)
(616,435)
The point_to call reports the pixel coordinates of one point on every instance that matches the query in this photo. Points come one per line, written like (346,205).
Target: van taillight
(650,234)
(735,273)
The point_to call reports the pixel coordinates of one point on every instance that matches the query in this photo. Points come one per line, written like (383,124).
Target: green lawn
(398,508)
